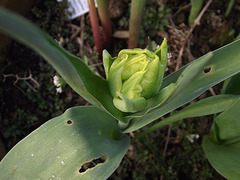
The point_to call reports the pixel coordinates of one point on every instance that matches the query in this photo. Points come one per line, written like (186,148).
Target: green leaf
(223,146)
(224,158)
(107,62)
(156,100)
(173,100)
(60,147)
(223,60)
(227,124)
(136,15)
(127,105)
(161,52)
(211,105)
(232,85)
(195,9)
(229,8)
(223,64)
(72,69)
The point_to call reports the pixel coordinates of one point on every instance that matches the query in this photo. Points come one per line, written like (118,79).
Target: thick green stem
(136,14)
(95,25)
(105,20)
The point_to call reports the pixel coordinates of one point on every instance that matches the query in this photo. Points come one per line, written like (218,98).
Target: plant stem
(95,25)
(229,8)
(136,14)
(105,20)
(195,9)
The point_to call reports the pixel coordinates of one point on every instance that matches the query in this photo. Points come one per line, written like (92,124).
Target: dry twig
(5,76)
(196,23)
(167,140)
(181,9)
(166,144)
(212,91)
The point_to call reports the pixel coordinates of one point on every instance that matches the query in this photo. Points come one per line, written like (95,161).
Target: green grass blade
(223,64)
(72,69)
(229,8)
(60,147)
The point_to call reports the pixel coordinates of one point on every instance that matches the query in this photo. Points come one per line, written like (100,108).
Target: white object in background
(77,7)
(191,137)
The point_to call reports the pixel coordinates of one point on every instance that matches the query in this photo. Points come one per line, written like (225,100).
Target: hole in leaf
(207,70)
(93,163)
(69,121)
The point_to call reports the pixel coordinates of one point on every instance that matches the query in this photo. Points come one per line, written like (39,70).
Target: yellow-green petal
(126,105)
(132,88)
(150,80)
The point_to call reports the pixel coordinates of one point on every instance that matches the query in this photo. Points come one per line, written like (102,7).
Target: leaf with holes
(83,143)
(191,81)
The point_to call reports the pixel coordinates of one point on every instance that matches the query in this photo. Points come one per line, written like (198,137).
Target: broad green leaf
(223,64)
(60,147)
(211,105)
(222,57)
(223,146)
(224,158)
(72,69)
(227,124)
(232,85)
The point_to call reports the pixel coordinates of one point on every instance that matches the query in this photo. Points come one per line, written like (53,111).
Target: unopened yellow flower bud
(134,76)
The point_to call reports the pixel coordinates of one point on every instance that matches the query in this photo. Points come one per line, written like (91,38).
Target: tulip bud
(134,76)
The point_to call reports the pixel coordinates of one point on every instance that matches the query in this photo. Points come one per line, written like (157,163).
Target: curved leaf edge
(90,86)
(36,145)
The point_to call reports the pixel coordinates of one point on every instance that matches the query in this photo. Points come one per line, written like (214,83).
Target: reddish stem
(105,20)
(95,25)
